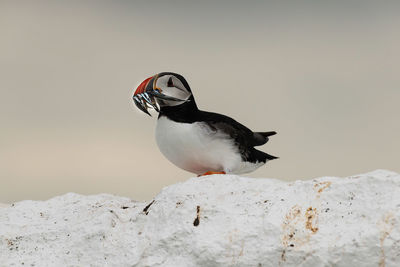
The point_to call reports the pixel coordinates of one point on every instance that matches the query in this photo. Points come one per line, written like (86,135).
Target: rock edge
(219,220)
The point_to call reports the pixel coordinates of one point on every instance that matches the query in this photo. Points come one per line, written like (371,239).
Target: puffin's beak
(146,92)
(142,99)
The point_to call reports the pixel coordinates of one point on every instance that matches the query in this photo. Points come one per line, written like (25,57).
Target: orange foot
(210,173)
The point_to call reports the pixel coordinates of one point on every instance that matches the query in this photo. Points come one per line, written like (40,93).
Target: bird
(194,140)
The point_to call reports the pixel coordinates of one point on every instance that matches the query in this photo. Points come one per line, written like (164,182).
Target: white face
(172,86)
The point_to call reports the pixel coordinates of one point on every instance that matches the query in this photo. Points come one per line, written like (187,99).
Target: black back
(243,137)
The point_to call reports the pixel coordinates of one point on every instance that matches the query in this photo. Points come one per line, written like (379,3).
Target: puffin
(194,140)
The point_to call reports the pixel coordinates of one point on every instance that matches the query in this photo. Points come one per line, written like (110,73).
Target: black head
(164,91)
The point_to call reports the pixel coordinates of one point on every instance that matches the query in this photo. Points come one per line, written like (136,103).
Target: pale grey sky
(324,75)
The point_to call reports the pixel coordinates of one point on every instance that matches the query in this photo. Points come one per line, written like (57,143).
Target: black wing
(244,138)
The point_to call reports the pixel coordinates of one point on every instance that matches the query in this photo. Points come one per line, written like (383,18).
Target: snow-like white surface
(219,220)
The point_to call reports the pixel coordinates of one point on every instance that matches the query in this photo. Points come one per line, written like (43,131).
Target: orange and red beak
(141,88)
(142,96)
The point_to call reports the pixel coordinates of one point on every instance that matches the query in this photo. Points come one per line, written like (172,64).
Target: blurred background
(324,75)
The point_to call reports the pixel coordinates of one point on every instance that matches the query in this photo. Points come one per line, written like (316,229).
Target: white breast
(196,148)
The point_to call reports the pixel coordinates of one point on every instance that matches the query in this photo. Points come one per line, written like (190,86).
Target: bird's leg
(210,173)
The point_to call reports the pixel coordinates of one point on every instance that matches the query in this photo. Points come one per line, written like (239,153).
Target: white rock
(219,220)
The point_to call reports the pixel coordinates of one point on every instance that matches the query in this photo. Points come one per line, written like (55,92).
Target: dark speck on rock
(196,221)
(145,210)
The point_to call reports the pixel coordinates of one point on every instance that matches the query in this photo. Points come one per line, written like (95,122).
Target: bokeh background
(324,74)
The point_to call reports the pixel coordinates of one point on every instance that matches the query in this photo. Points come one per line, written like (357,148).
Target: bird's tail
(262,156)
(270,157)
(260,138)
(266,134)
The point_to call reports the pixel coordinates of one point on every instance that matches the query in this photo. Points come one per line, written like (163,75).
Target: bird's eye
(170,82)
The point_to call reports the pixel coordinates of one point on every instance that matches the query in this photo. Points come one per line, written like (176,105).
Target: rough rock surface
(219,220)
